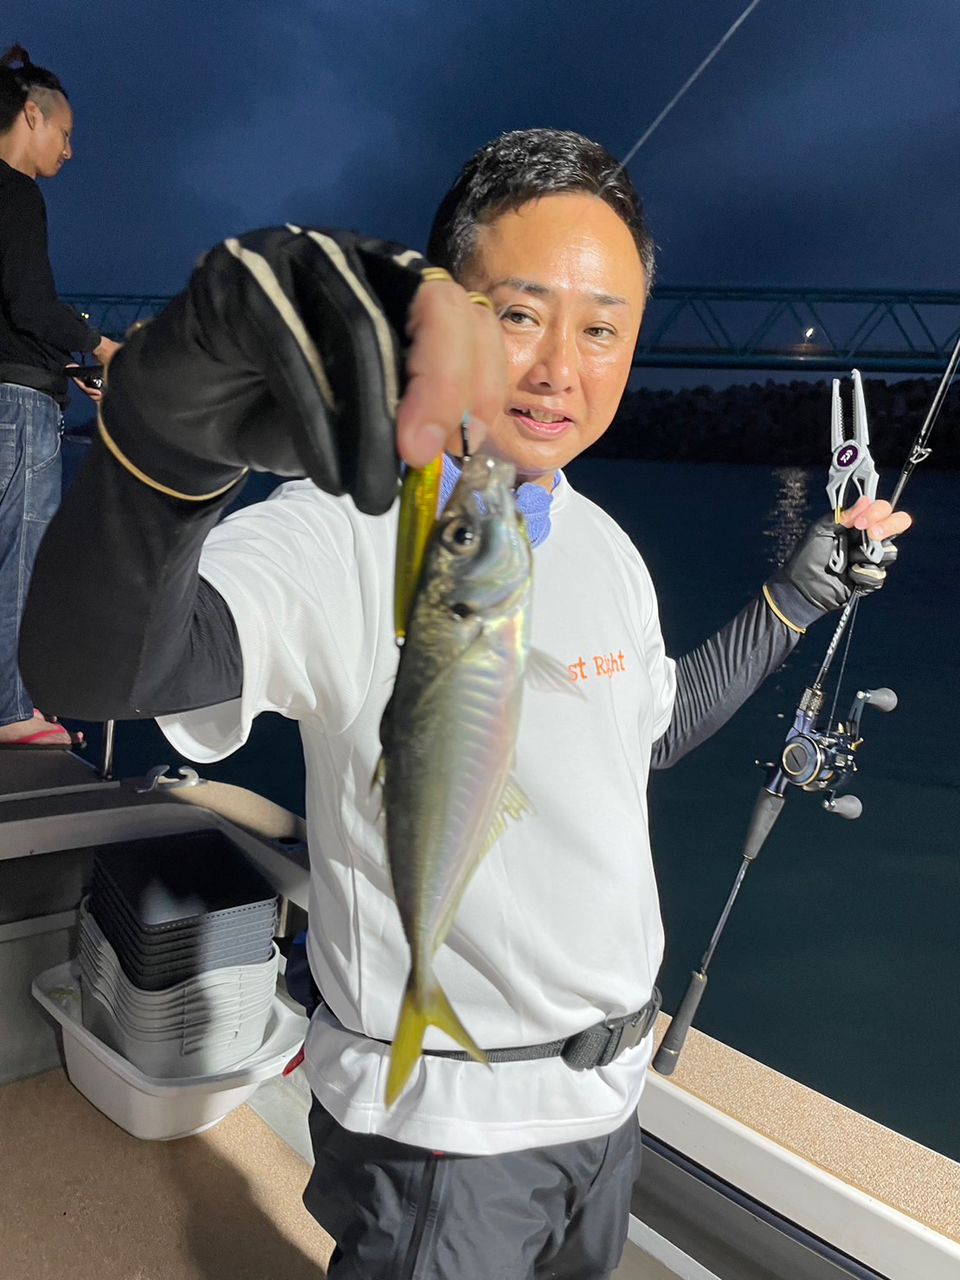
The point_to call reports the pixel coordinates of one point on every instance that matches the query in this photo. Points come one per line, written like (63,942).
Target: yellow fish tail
(422,1009)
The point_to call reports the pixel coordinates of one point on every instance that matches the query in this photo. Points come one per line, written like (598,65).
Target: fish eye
(459,535)
(460,610)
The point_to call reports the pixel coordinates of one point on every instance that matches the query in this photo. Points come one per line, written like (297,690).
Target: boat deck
(82,1200)
(26,770)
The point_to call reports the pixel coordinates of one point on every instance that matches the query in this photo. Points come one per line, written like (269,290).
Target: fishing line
(688,84)
(843,664)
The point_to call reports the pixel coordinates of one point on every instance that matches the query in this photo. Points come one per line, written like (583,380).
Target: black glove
(806,587)
(283,354)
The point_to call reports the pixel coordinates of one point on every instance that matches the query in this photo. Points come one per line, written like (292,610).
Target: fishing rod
(815,759)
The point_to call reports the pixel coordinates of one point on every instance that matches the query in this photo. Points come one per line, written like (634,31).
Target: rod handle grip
(668,1055)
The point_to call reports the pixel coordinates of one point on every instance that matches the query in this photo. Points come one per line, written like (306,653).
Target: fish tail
(422,1009)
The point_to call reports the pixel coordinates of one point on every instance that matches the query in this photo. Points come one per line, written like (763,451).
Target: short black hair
(22,83)
(525,165)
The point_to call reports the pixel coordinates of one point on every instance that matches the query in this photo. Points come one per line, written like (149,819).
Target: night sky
(820,148)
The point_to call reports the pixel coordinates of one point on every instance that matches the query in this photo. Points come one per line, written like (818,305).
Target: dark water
(840,963)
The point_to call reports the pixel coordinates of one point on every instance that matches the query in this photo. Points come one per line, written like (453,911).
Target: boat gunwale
(841,1144)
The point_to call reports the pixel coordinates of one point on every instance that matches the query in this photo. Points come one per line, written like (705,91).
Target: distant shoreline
(776,424)
(770,424)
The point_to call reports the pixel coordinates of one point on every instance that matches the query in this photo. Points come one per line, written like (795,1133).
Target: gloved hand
(805,587)
(285,353)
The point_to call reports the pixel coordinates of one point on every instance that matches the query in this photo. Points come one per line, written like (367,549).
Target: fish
(449,731)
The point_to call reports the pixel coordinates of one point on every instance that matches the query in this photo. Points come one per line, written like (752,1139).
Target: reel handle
(849,807)
(881,699)
(667,1056)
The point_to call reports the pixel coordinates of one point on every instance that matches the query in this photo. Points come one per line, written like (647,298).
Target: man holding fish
(497,886)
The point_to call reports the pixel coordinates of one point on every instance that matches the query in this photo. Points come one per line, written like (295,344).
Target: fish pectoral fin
(513,805)
(422,1009)
(547,675)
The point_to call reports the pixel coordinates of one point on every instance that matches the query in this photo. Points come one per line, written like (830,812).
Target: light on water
(787,518)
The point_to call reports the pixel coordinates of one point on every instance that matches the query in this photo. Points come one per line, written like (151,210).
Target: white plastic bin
(143,1105)
(183,1054)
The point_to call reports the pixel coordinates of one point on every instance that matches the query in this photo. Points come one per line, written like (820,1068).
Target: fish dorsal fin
(513,805)
(547,675)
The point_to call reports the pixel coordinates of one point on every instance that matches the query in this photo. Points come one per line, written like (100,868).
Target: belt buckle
(631,1030)
(648,1014)
(617,1029)
(621,1033)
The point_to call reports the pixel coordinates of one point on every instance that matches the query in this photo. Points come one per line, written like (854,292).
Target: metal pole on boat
(106,755)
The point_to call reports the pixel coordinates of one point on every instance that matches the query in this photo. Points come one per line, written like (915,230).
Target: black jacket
(38,333)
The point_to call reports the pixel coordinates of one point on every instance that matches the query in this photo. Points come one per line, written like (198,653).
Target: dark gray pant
(403,1213)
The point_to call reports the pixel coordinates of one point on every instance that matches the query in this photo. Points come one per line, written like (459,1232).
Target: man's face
(566,280)
(50,137)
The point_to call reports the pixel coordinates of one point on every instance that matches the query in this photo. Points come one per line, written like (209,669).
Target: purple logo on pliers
(847,455)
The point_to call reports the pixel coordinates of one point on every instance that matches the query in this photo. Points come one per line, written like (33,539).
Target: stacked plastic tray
(177,962)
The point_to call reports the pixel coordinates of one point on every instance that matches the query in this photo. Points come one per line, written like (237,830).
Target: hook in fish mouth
(490,483)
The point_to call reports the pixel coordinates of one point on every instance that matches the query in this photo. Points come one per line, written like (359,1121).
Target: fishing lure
(419,498)
(419,495)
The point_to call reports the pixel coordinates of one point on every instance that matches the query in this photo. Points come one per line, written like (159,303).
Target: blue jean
(31,424)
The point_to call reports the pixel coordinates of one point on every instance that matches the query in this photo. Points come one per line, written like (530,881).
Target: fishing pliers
(852,467)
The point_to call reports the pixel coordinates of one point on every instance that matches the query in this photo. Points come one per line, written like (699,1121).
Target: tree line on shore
(777,423)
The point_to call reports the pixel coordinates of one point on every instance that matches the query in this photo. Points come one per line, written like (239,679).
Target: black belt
(35,378)
(595,1047)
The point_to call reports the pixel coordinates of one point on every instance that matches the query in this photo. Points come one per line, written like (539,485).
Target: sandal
(51,739)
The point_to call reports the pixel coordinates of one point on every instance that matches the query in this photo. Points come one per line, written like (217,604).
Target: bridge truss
(703,327)
(799,329)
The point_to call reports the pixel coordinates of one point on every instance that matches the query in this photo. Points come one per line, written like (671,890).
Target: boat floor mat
(82,1200)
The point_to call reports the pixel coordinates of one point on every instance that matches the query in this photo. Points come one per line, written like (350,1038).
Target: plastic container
(204,1026)
(191,1051)
(154,980)
(190,1017)
(144,1106)
(154,961)
(203,880)
(253,920)
(220,988)
(201,1005)
(107,903)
